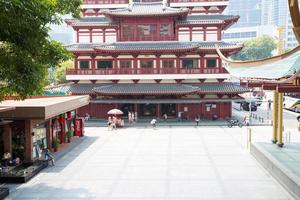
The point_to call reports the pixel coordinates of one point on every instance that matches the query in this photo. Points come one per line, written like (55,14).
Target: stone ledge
(285,177)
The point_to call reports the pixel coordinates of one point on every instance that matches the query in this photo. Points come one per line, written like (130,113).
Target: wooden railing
(126,71)
(105,1)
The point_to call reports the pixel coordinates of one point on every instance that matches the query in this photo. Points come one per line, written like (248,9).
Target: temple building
(153,58)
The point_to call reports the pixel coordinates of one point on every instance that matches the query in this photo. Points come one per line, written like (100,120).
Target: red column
(220,65)
(7,139)
(104,35)
(219,34)
(76,62)
(176,33)
(93,63)
(158,63)
(135,63)
(178,63)
(158,111)
(115,62)
(191,33)
(28,140)
(91,35)
(204,33)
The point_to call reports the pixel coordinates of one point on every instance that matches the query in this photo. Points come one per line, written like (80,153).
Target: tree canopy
(26,50)
(257,48)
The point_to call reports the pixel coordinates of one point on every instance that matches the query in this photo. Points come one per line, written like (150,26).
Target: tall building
(153,58)
(276,13)
(248,10)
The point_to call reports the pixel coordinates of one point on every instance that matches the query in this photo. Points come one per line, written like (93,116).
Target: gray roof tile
(128,89)
(146,9)
(151,45)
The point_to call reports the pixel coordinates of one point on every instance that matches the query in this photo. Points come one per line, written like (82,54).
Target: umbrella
(115,112)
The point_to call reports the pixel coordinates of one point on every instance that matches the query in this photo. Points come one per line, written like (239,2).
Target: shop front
(40,123)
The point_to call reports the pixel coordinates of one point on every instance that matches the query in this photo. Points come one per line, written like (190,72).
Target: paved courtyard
(166,163)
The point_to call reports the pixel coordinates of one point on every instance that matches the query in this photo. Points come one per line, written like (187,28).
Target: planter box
(23,172)
(4,192)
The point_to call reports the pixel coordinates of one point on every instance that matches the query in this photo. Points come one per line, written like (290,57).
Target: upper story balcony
(105,2)
(141,71)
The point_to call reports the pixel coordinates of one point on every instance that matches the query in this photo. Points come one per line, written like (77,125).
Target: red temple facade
(153,58)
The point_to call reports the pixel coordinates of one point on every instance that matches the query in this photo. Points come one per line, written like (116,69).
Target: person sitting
(15,161)
(6,158)
(48,156)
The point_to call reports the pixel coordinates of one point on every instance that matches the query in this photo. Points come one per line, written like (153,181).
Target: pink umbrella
(115,112)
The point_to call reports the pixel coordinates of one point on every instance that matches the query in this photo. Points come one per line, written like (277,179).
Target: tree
(257,48)
(60,73)
(26,50)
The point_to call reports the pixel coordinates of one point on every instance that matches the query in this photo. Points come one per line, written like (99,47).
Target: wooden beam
(288,89)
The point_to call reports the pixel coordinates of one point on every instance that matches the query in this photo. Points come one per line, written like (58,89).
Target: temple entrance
(169,109)
(147,110)
(127,108)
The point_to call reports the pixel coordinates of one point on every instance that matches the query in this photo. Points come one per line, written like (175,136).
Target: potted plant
(55,144)
(69,135)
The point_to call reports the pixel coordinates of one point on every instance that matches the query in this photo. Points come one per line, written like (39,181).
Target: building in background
(259,17)
(153,59)
(276,13)
(242,34)
(248,10)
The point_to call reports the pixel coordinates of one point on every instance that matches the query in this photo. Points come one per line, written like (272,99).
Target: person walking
(197,120)
(135,117)
(179,116)
(165,117)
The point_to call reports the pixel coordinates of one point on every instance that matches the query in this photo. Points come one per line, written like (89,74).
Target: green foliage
(60,73)
(26,50)
(257,48)
(55,143)
(69,134)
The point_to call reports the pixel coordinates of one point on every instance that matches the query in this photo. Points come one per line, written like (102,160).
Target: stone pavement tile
(107,160)
(188,150)
(139,189)
(189,172)
(98,172)
(230,160)
(217,150)
(151,160)
(234,172)
(150,150)
(187,160)
(150,172)
(195,189)
(264,190)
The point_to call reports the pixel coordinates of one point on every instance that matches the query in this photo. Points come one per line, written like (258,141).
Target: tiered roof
(150,89)
(93,22)
(155,9)
(103,22)
(153,46)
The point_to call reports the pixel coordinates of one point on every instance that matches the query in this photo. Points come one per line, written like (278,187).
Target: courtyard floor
(185,163)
